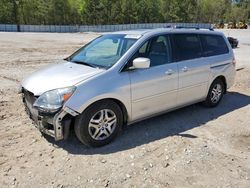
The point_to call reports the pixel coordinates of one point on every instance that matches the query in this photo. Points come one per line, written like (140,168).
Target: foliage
(122,11)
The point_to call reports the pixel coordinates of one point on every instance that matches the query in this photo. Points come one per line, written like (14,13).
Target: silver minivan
(123,77)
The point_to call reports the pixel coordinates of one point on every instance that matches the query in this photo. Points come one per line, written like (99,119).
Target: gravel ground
(191,147)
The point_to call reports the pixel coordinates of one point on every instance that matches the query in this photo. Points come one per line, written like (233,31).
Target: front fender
(106,86)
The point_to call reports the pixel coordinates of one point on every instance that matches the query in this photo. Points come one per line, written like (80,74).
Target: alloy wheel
(216,93)
(102,124)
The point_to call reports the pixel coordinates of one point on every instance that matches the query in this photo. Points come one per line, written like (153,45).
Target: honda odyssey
(123,77)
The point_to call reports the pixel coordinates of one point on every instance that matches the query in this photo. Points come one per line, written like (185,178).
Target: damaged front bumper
(56,125)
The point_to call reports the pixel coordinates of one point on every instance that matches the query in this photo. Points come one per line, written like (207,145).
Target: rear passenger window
(213,45)
(186,46)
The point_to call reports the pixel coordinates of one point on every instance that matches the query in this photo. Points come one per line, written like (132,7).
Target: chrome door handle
(169,72)
(185,69)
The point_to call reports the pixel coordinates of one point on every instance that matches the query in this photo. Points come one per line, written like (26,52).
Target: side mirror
(141,63)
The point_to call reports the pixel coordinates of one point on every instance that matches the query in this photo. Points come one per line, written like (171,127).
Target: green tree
(75,11)
(106,16)
(117,13)
(92,11)
(6,11)
(149,11)
(129,11)
(175,10)
(60,12)
(213,11)
(34,11)
(122,11)
(239,11)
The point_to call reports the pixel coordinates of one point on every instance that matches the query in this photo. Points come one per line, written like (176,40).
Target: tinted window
(213,45)
(156,49)
(186,46)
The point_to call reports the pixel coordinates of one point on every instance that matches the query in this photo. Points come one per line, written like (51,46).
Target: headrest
(158,47)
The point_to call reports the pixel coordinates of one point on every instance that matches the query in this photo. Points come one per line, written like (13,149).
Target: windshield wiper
(84,63)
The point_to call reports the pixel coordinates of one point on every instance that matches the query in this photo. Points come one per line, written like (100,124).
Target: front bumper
(54,125)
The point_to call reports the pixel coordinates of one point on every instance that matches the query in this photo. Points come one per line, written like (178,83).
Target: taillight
(234,62)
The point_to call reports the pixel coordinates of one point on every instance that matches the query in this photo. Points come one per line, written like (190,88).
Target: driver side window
(157,49)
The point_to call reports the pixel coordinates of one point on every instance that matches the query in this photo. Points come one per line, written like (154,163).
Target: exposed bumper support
(55,125)
(60,125)
(58,128)
(57,131)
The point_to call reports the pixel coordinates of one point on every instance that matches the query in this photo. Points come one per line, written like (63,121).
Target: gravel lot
(191,147)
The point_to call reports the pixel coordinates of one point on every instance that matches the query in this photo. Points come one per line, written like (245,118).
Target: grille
(29,99)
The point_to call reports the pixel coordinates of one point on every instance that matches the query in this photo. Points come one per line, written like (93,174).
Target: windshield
(104,51)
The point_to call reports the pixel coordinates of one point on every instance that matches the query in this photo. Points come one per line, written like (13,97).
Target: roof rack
(193,26)
(198,28)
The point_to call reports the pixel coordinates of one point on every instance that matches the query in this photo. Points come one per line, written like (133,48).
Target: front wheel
(215,94)
(99,124)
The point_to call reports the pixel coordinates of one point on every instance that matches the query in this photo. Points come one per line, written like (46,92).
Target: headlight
(52,101)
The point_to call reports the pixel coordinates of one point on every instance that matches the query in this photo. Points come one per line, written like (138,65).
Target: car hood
(60,75)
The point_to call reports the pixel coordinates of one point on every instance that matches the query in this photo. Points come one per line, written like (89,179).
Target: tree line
(72,12)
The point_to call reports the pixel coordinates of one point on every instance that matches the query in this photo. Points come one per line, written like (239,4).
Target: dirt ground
(191,147)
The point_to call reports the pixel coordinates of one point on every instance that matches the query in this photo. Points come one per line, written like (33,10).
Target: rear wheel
(215,94)
(99,124)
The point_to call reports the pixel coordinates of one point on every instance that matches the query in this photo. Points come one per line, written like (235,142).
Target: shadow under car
(156,128)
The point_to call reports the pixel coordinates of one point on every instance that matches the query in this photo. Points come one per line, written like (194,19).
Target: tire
(99,124)
(217,88)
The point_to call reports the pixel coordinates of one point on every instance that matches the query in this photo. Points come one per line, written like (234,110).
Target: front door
(154,89)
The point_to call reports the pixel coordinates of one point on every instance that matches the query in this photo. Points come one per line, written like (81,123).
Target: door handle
(169,72)
(184,69)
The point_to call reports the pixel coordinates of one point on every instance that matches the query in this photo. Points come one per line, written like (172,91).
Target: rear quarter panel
(222,65)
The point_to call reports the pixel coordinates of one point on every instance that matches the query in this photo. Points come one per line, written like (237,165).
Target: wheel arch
(119,103)
(223,79)
(123,108)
